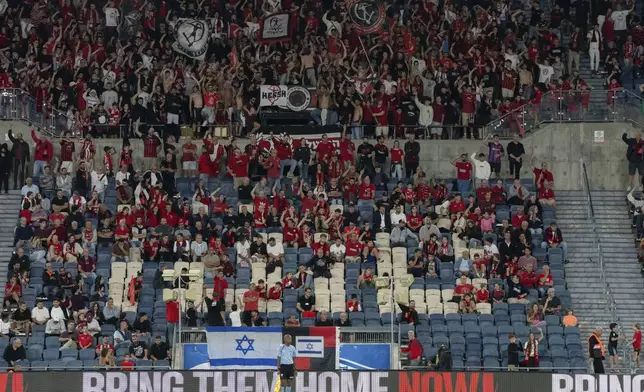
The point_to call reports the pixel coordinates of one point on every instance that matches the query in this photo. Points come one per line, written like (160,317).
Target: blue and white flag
(310,346)
(243,347)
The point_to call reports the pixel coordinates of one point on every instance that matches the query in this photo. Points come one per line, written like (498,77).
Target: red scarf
(536,352)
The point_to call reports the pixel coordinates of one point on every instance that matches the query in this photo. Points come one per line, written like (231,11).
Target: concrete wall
(561,145)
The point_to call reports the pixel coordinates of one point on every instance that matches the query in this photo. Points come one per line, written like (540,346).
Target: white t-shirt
(40,315)
(619,17)
(338,250)
(235,318)
(199,248)
(546,73)
(514,59)
(275,250)
(111,17)
(389,85)
(396,218)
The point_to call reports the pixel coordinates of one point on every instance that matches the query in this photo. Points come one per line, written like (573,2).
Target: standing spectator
(43,154)
(635,156)
(6,160)
(597,351)
(483,170)
(514,348)
(414,349)
(463,174)
(20,153)
(412,155)
(151,148)
(516,151)
(637,344)
(495,153)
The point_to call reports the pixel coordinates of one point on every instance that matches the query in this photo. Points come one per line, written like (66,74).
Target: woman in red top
(396,161)
(414,219)
(613,88)
(275,292)
(55,250)
(457,205)
(12,292)
(409,195)
(219,205)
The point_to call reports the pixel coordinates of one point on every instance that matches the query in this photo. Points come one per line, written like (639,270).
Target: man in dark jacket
(514,348)
(635,156)
(412,155)
(6,160)
(303,158)
(20,153)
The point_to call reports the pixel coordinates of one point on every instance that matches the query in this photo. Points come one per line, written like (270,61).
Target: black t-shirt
(326,323)
(214,313)
(20,315)
(159,351)
(138,349)
(306,303)
(59,202)
(613,335)
(244,192)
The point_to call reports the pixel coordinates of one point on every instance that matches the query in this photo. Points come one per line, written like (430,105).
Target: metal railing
(571,106)
(540,369)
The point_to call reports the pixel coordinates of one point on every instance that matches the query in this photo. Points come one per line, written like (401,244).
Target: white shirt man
(198,247)
(40,315)
(120,176)
(57,323)
(275,250)
(338,250)
(99,182)
(398,215)
(5,327)
(482,166)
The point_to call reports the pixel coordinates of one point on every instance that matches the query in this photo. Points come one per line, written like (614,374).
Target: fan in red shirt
(463,287)
(324,150)
(347,150)
(367,190)
(483,294)
(238,166)
(414,349)
(414,219)
(542,175)
(457,205)
(275,292)
(637,343)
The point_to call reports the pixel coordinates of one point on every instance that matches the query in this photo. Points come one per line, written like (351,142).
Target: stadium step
(9,209)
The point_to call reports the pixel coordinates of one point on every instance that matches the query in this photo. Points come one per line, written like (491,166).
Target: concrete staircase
(9,209)
(620,257)
(582,275)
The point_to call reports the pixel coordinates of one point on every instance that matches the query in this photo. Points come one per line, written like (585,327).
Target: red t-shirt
(367,192)
(463,289)
(353,248)
(172,312)
(637,340)
(240,166)
(273,167)
(463,170)
(396,155)
(325,150)
(290,234)
(482,296)
(469,101)
(85,340)
(251,305)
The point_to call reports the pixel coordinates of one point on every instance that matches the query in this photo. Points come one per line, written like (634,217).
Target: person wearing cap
(552,238)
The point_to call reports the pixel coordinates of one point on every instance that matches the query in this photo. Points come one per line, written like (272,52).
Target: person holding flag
(286,365)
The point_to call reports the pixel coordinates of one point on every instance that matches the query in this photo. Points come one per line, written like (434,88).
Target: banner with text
(337,381)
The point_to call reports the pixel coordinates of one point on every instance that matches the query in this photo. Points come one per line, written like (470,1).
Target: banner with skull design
(191,38)
(368,16)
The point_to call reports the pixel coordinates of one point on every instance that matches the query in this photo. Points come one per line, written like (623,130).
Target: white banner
(273,95)
(276,27)
(191,38)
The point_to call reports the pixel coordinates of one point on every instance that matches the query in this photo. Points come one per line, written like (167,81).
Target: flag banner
(368,16)
(130,18)
(315,347)
(367,356)
(293,134)
(309,346)
(275,28)
(243,347)
(273,95)
(191,38)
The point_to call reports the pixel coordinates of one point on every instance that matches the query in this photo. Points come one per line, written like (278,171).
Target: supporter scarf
(534,346)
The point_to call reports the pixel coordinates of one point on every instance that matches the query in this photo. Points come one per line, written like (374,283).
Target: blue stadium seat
(34,352)
(489,331)
(86,354)
(73,365)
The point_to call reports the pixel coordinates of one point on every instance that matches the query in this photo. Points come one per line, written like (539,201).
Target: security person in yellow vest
(597,351)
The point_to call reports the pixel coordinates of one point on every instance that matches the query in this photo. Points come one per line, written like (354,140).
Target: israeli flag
(243,347)
(310,346)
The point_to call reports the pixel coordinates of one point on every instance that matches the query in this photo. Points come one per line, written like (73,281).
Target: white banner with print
(191,38)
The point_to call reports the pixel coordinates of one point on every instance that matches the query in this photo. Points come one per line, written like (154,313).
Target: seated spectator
(120,251)
(517,194)
(235,316)
(547,195)
(275,252)
(446,251)
(462,287)
(292,321)
(303,277)
(159,350)
(463,266)
(343,321)
(122,336)
(516,292)
(69,337)
(104,345)
(527,259)
(551,303)
(319,265)
(138,349)
(14,354)
(467,304)
(255,320)
(544,281)
(570,320)
(536,317)
(142,325)
(553,239)
(366,279)
(306,303)
(21,320)
(353,304)
(417,265)
(400,234)
(337,251)
(12,293)
(483,294)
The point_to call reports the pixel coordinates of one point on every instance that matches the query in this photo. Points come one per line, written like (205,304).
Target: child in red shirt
(483,294)
(498,293)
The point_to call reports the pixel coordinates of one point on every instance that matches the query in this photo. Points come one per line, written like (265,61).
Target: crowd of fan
(431,66)
(280,240)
